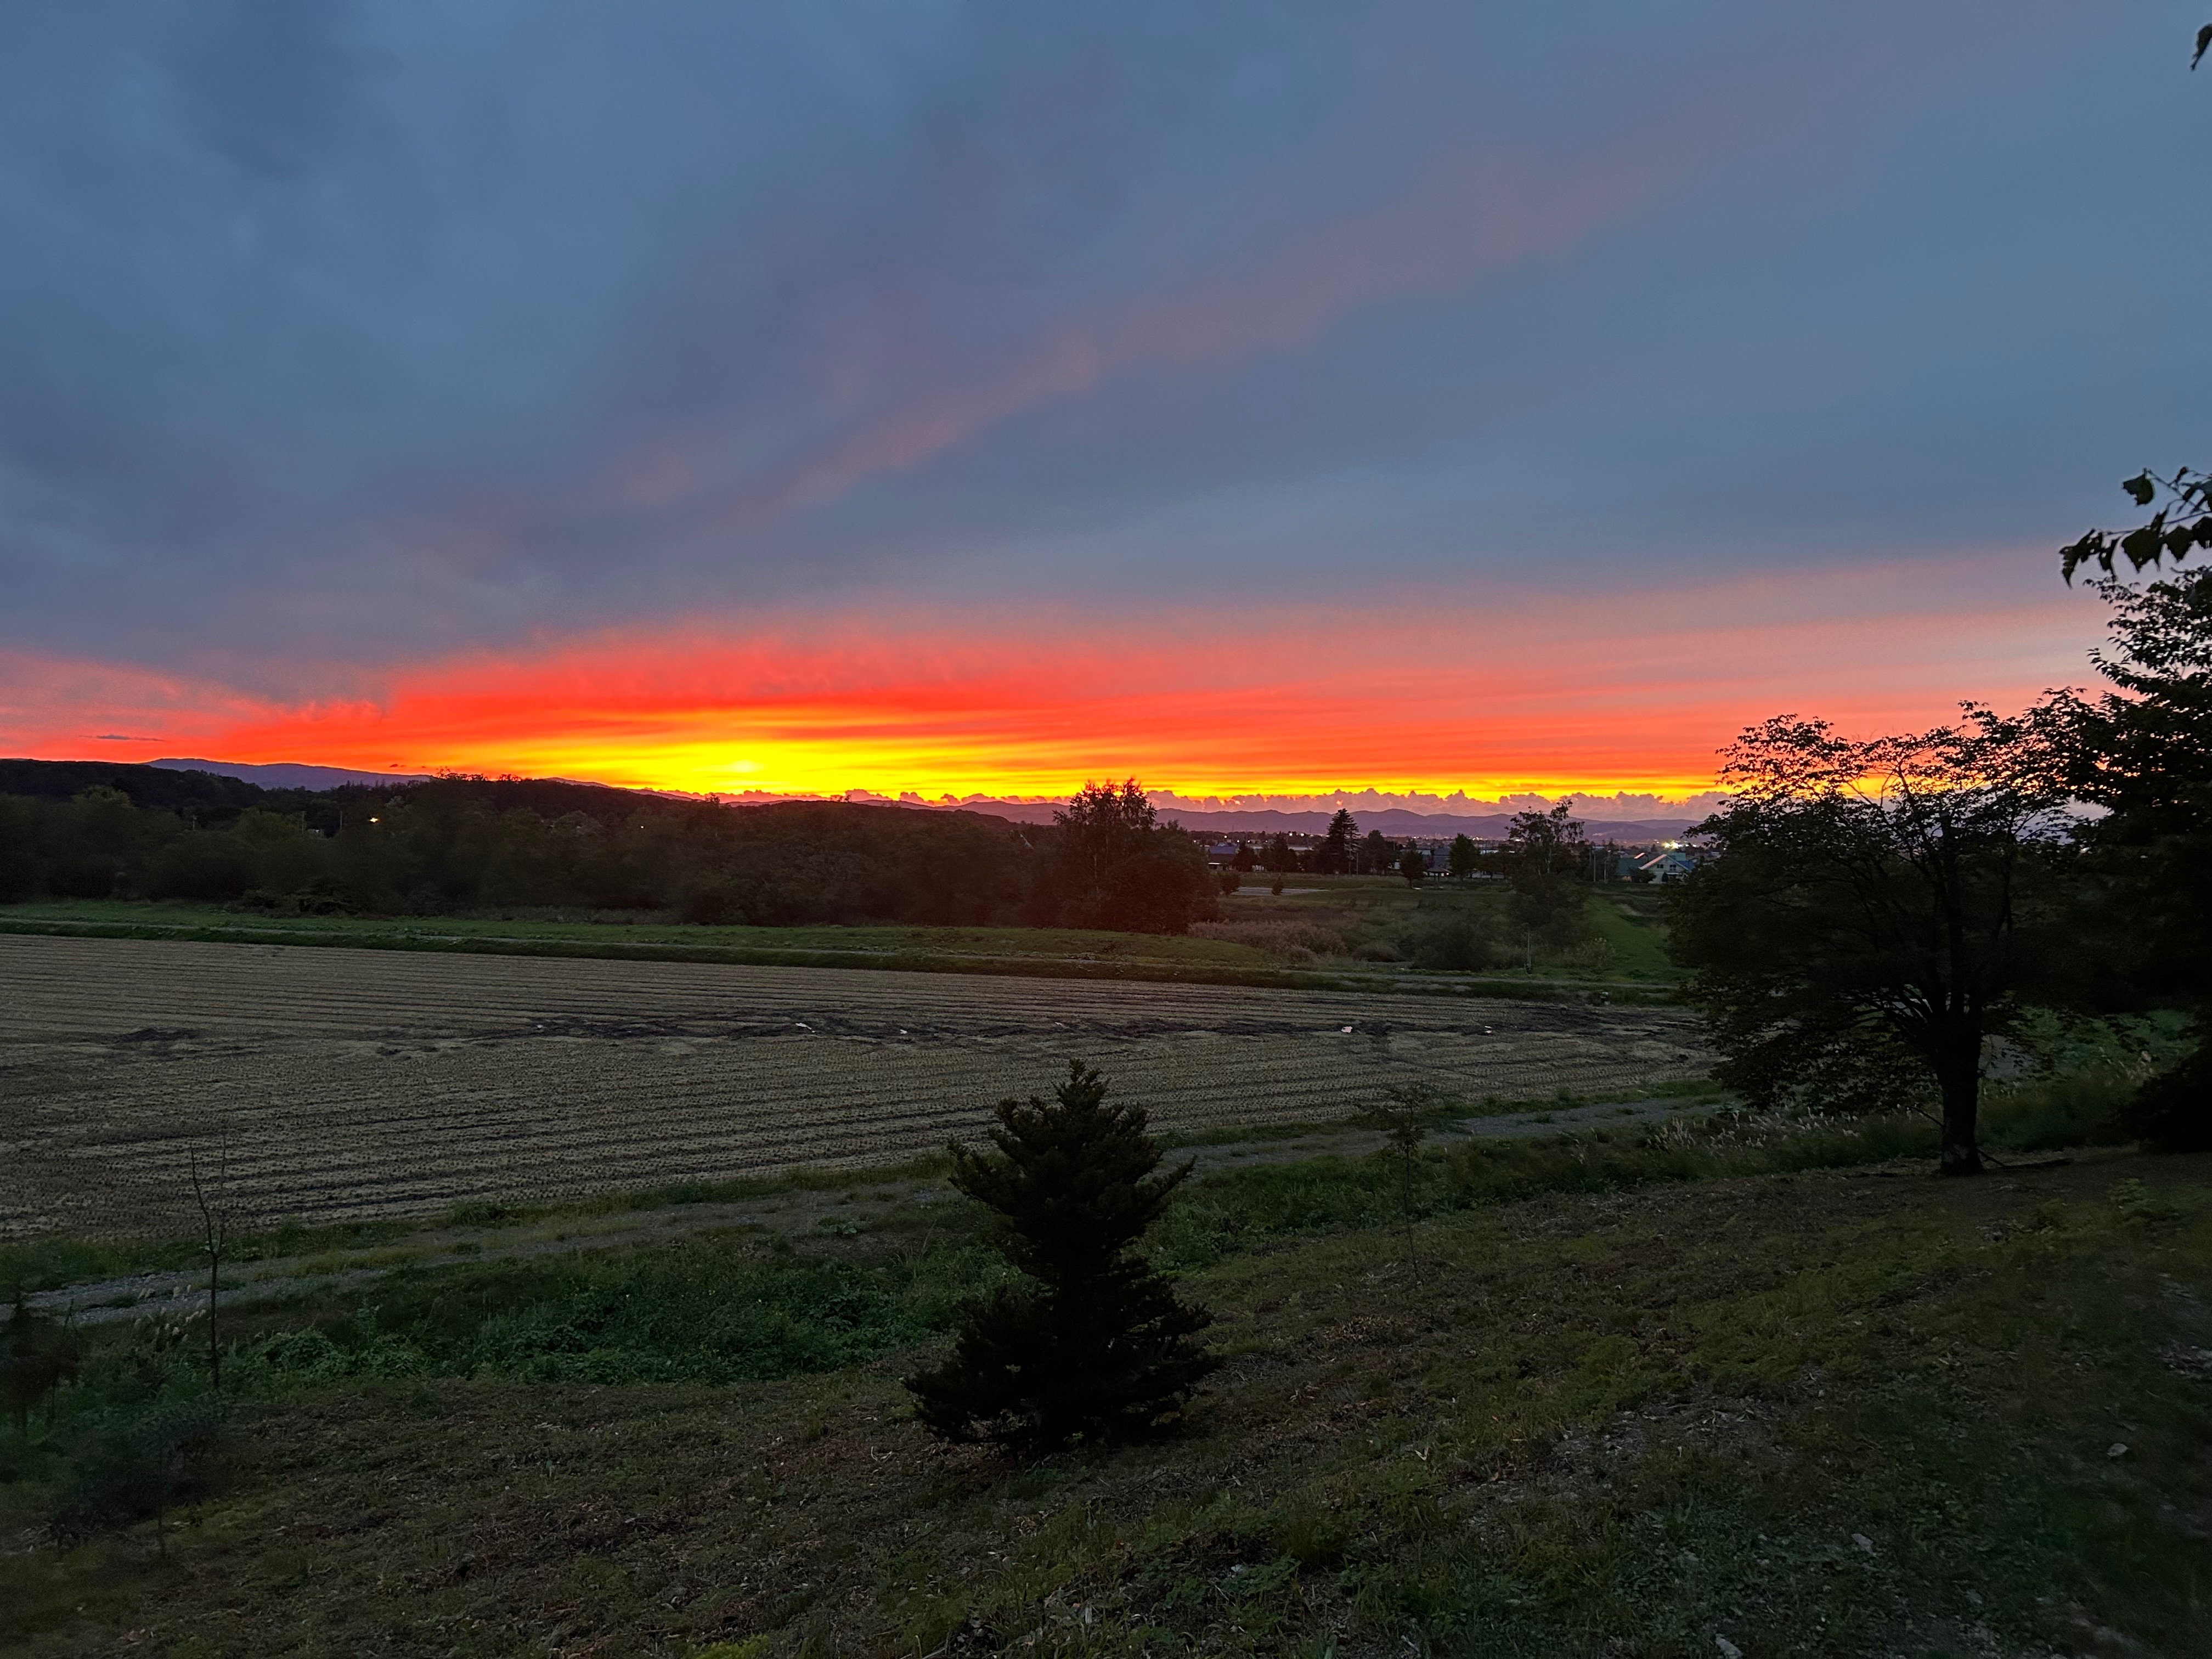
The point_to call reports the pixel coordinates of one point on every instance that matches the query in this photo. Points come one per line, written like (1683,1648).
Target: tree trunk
(215,1347)
(1961,1080)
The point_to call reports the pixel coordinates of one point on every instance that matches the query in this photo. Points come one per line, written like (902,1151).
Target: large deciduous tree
(1874,910)
(1377,853)
(2142,751)
(1100,826)
(1115,865)
(1547,855)
(1465,858)
(1094,1345)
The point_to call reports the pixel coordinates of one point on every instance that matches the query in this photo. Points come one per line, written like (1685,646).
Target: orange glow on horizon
(1534,693)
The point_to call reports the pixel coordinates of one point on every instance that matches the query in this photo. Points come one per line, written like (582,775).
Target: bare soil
(357,1084)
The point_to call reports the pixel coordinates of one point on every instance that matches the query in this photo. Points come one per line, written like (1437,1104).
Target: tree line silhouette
(81,831)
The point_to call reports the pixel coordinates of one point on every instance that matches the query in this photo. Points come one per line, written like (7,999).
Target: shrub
(705,1311)
(2070,1109)
(310,1355)
(137,1467)
(1728,1144)
(213,867)
(38,1354)
(1286,939)
(2172,1111)
(1455,938)
(1096,1345)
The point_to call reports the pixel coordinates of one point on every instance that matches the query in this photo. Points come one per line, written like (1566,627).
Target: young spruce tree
(1097,1345)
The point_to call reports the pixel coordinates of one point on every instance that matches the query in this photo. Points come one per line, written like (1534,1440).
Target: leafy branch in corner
(2183,522)
(2186,519)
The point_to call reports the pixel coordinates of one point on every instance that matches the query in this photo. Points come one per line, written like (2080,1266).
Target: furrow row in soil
(356,1083)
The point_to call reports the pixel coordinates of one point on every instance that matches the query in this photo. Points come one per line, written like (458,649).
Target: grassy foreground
(1630,1395)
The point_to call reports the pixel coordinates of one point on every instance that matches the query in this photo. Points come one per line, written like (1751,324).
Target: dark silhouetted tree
(1246,860)
(1605,861)
(1116,867)
(1405,1117)
(1162,887)
(1280,856)
(1095,1345)
(1546,859)
(1412,866)
(1875,911)
(2143,753)
(1101,825)
(1545,843)
(1378,853)
(1465,858)
(1339,848)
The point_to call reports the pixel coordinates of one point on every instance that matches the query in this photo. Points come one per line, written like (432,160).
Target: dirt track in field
(361,1082)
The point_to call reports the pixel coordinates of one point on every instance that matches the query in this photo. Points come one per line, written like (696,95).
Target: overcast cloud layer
(338,335)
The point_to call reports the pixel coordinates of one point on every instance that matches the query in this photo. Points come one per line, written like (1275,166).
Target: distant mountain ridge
(1396,821)
(289,775)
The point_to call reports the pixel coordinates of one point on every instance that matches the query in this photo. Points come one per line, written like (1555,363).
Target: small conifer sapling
(1404,1117)
(38,1354)
(1095,1345)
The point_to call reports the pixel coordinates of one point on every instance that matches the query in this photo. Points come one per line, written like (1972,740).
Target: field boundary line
(886,961)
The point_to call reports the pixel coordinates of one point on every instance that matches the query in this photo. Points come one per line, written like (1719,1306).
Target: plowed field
(359,1083)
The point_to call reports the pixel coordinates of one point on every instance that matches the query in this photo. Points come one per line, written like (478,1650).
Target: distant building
(1667,866)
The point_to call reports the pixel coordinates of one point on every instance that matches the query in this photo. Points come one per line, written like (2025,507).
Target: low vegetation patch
(1634,1391)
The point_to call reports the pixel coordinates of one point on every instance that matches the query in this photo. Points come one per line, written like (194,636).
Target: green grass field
(1628,920)
(555,934)
(1348,929)
(1635,1392)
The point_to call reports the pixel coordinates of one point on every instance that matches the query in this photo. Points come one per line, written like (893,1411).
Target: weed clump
(38,1354)
(138,1466)
(1457,938)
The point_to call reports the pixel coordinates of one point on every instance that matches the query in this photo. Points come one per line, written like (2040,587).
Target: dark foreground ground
(1835,1412)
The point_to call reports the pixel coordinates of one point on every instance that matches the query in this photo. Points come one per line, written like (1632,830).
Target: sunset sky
(956,398)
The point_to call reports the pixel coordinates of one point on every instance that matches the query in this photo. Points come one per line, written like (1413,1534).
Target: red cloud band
(1527,690)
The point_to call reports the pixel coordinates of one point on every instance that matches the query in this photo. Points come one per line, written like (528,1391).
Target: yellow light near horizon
(1474,693)
(833,768)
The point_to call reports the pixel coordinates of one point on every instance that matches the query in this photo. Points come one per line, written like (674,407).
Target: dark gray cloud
(362,331)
